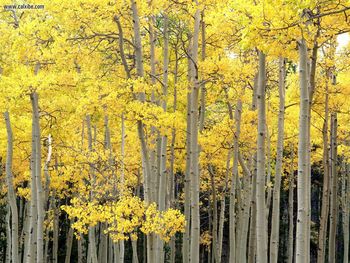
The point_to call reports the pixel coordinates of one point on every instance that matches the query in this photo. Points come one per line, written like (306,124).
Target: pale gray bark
(55,232)
(103,246)
(187,183)
(261,224)
(244,217)
(274,240)
(8,235)
(135,258)
(92,253)
(234,179)
(69,243)
(46,171)
(36,242)
(325,186)
(164,138)
(11,192)
(268,170)
(30,246)
(223,208)
(203,89)
(253,211)
(346,209)
(290,210)
(195,180)
(215,216)
(172,179)
(81,256)
(302,224)
(333,216)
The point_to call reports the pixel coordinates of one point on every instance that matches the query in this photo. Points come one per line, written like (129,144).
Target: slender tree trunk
(92,253)
(55,233)
(164,138)
(253,217)
(25,229)
(234,179)
(346,209)
(244,224)
(135,258)
(195,180)
(301,235)
(103,254)
(110,250)
(274,240)
(325,186)
(39,187)
(223,208)
(149,173)
(215,216)
(290,210)
(261,226)
(333,218)
(172,178)
(81,256)
(311,74)
(121,243)
(268,170)
(8,235)
(69,243)
(11,191)
(187,183)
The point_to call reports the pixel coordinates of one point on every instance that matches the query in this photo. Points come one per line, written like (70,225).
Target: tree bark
(69,243)
(325,186)
(302,224)
(291,210)
(346,209)
(39,196)
(261,226)
(92,253)
(195,180)
(11,191)
(274,240)
(333,217)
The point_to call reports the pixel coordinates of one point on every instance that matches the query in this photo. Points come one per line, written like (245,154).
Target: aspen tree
(274,239)
(164,139)
(325,187)
(232,216)
(11,192)
(253,216)
(261,224)
(92,253)
(346,209)
(8,235)
(301,234)
(69,243)
(333,216)
(291,209)
(195,216)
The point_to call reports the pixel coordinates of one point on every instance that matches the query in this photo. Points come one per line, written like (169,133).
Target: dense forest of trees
(175,131)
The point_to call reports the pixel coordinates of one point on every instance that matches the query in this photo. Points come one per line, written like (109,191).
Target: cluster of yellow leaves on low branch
(125,217)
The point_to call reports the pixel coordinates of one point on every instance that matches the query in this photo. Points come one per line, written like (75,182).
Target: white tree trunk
(290,210)
(325,186)
(274,240)
(346,210)
(11,191)
(261,224)
(333,217)
(195,180)
(69,243)
(301,235)
(92,253)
